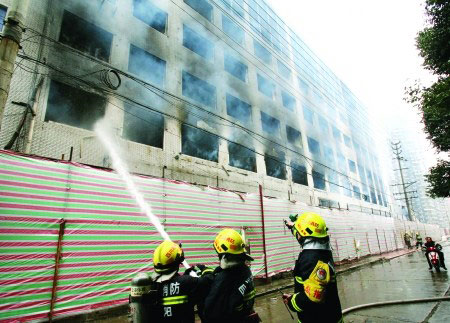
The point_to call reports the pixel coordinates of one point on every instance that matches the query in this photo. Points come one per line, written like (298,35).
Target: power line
(151,87)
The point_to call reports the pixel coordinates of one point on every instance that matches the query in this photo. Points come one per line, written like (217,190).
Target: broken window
(149,67)
(284,71)
(235,67)
(356,192)
(337,134)
(352,166)
(85,36)
(347,141)
(3,11)
(299,174)
(308,114)
(265,86)
(241,157)
(143,126)
(333,182)
(239,109)
(270,124)
(347,186)
(199,143)
(373,196)
(274,167)
(314,146)
(261,52)
(150,14)
(232,30)
(73,107)
(319,180)
(323,124)
(198,90)
(288,101)
(342,164)
(304,87)
(198,44)
(236,5)
(294,136)
(203,7)
(329,155)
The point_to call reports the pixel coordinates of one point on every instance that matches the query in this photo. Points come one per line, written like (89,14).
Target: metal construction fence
(72,237)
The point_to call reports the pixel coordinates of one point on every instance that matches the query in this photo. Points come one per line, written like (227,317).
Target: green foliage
(434,41)
(439,180)
(434,102)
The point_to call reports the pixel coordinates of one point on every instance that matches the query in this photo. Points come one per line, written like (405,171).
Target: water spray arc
(103,133)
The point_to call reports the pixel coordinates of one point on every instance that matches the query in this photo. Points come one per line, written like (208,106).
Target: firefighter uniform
(178,296)
(316,296)
(232,293)
(231,296)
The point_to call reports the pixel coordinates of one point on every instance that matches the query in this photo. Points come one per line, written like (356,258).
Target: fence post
(62,225)
(368,243)
(263,229)
(378,239)
(385,240)
(395,239)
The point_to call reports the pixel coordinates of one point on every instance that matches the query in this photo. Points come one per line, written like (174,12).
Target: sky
(369,45)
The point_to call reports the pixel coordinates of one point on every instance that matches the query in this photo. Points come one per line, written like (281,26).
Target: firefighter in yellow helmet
(315,297)
(177,294)
(232,293)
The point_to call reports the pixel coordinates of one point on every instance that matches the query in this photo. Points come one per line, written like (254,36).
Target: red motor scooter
(433,256)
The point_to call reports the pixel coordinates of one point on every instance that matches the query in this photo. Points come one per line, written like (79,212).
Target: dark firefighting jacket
(316,297)
(178,296)
(231,296)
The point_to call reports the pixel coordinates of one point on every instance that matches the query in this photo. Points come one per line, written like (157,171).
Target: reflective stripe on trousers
(175,300)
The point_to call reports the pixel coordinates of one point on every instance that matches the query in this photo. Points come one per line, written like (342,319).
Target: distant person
(232,293)
(407,238)
(419,242)
(177,295)
(430,243)
(316,296)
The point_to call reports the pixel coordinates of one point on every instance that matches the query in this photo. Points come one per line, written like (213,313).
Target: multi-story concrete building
(212,92)
(417,157)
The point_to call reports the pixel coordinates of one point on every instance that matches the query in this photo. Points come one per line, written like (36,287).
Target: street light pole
(9,47)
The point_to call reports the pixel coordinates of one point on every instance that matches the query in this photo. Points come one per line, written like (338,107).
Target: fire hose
(397,302)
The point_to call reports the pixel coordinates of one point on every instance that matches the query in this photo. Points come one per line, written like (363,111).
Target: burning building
(217,93)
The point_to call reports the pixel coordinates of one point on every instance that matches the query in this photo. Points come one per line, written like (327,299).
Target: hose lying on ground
(397,302)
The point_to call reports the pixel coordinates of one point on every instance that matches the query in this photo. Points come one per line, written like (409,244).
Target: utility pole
(9,47)
(396,148)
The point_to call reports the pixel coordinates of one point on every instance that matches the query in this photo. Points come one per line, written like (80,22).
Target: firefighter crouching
(176,295)
(232,293)
(316,296)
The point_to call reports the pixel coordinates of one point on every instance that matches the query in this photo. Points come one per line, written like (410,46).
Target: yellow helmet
(229,241)
(167,257)
(310,224)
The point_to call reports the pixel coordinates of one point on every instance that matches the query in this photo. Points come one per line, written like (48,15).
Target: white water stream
(104,134)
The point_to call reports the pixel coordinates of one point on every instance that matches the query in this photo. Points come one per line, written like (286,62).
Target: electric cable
(168,115)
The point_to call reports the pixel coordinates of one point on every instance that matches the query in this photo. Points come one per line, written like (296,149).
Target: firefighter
(316,296)
(177,295)
(232,292)
(419,241)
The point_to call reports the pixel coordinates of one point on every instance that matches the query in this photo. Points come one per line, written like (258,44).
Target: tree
(434,102)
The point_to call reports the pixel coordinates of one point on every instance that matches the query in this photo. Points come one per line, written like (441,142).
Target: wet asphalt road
(406,277)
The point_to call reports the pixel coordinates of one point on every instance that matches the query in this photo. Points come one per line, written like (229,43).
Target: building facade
(218,93)
(415,151)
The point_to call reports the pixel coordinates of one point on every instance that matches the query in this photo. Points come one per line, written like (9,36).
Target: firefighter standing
(316,296)
(177,295)
(232,293)
(419,241)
